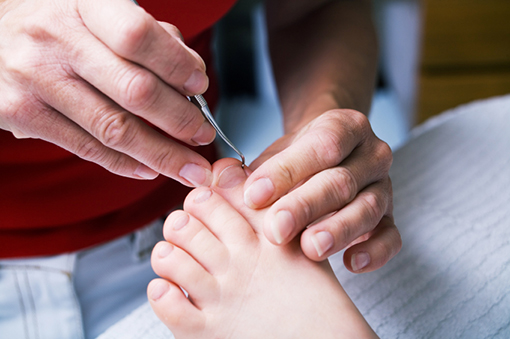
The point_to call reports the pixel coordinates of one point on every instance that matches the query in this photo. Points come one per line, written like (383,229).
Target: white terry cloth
(452,206)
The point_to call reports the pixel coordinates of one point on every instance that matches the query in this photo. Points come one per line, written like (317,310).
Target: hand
(85,74)
(329,182)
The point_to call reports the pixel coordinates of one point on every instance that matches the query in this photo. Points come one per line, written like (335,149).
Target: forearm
(324,57)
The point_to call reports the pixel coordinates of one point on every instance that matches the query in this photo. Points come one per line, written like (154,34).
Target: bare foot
(239,284)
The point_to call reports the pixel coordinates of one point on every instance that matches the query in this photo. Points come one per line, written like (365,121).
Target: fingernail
(180,222)
(322,241)
(18,134)
(145,172)
(259,193)
(197,82)
(360,260)
(203,196)
(231,176)
(196,175)
(282,226)
(164,249)
(205,134)
(159,289)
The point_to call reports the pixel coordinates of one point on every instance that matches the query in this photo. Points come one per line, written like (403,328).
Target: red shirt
(53,202)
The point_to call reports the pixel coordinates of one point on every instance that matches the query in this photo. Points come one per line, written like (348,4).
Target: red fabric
(54,202)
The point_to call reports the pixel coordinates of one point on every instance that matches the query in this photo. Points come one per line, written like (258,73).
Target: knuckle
(133,32)
(346,186)
(90,150)
(304,208)
(328,143)
(384,251)
(285,174)
(384,155)
(374,207)
(113,129)
(187,122)
(344,233)
(359,120)
(139,89)
(178,64)
(164,162)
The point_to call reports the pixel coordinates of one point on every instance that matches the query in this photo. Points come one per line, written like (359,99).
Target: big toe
(229,178)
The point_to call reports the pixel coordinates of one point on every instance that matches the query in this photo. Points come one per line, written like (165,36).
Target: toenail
(164,249)
(181,222)
(322,241)
(259,193)
(158,289)
(231,176)
(360,260)
(203,196)
(282,226)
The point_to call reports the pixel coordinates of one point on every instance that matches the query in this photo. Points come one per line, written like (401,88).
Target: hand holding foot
(239,284)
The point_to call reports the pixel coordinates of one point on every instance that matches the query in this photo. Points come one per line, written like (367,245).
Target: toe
(173,264)
(173,308)
(192,236)
(229,179)
(220,217)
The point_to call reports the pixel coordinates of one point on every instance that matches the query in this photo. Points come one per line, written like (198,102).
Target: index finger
(323,144)
(135,35)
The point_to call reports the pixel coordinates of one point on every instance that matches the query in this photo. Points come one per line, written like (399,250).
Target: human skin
(83,75)
(239,284)
(87,74)
(326,180)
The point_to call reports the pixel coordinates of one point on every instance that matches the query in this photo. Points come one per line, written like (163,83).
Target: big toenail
(158,289)
(181,222)
(164,249)
(203,196)
(231,176)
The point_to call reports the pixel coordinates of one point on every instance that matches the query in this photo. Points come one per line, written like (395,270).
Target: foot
(239,284)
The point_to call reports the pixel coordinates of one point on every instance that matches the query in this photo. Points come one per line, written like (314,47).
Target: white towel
(452,206)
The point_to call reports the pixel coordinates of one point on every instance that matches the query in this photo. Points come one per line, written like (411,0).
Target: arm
(324,56)
(329,169)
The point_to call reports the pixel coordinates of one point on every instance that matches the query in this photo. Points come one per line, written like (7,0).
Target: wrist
(304,108)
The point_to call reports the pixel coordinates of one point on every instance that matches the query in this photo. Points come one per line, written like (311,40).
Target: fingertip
(196,175)
(258,193)
(359,261)
(197,82)
(205,134)
(311,246)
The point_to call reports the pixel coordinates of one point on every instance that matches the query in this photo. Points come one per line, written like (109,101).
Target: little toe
(173,308)
(192,236)
(173,264)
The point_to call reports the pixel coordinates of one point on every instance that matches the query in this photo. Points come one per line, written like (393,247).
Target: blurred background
(434,55)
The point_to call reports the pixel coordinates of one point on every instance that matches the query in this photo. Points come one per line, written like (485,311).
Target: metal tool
(200,102)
